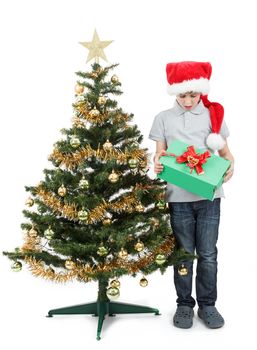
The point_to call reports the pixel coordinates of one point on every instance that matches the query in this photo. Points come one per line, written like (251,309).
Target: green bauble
(112,293)
(133,163)
(102,251)
(83,183)
(83,215)
(16,266)
(161,205)
(49,233)
(74,141)
(160,259)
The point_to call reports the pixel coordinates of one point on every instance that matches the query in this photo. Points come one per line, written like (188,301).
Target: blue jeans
(195,226)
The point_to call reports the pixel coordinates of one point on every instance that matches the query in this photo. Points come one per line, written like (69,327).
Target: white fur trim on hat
(215,141)
(196,85)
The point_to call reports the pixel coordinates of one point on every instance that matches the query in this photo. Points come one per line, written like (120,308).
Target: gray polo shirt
(191,127)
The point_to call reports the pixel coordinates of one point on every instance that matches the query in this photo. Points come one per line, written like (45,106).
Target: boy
(195,220)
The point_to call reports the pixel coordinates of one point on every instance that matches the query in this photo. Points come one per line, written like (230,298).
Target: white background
(39,55)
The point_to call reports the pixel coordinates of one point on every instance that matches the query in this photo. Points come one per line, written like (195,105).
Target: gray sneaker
(183,317)
(211,317)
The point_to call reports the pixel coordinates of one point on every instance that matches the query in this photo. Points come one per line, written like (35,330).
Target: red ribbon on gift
(194,160)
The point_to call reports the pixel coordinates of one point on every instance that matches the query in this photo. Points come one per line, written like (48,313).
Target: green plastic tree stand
(103,306)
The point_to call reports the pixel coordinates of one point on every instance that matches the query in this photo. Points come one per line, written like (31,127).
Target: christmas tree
(97,215)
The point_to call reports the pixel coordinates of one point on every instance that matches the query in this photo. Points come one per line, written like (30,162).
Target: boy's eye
(193,96)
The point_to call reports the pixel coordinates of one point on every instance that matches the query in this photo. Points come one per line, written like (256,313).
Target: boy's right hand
(158,167)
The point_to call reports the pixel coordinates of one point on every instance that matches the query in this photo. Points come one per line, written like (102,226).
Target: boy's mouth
(188,107)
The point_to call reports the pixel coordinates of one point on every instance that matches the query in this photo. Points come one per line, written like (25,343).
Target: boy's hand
(229,172)
(158,167)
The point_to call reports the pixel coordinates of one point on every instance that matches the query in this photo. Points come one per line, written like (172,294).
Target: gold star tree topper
(96,47)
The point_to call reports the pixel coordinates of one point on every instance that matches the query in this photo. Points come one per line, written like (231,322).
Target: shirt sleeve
(224,130)
(157,129)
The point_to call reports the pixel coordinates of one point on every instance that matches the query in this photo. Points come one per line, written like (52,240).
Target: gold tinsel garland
(126,203)
(85,272)
(71,160)
(84,110)
(37,269)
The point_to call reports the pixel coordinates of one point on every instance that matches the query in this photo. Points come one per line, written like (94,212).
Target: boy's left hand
(229,172)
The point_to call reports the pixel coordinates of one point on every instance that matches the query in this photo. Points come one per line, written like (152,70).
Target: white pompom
(215,141)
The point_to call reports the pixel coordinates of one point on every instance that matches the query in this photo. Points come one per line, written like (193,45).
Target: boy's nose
(188,102)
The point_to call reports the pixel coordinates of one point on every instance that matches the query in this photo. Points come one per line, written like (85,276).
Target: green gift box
(179,174)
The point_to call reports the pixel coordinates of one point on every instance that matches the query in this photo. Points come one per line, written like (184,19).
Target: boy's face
(188,100)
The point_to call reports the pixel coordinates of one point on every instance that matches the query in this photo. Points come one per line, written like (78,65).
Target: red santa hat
(193,76)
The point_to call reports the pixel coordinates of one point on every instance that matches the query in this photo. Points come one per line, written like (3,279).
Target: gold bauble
(182,270)
(133,163)
(94,75)
(48,233)
(83,214)
(154,222)
(62,191)
(112,293)
(107,222)
(79,89)
(114,79)
(32,232)
(160,259)
(107,146)
(123,253)
(113,177)
(101,100)
(115,283)
(69,264)
(74,141)
(143,164)
(83,183)
(139,246)
(140,208)
(29,202)
(94,113)
(16,266)
(161,204)
(143,282)
(102,251)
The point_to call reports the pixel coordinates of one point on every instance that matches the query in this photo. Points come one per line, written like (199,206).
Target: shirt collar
(198,109)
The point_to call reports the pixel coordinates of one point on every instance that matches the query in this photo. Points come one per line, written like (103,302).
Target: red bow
(194,160)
